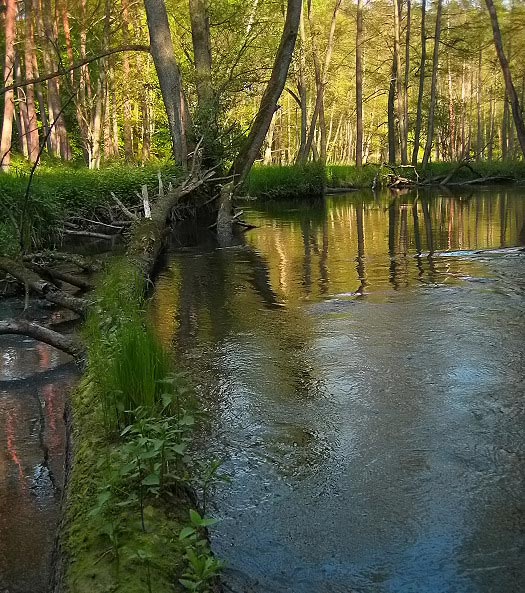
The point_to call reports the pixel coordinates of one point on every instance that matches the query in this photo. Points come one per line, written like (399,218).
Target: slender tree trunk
(359,85)
(509,85)
(301,89)
(246,157)
(433,86)
(33,140)
(169,76)
(406,82)
(421,90)
(479,94)
(399,82)
(9,96)
(206,119)
(126,70)
(392,144)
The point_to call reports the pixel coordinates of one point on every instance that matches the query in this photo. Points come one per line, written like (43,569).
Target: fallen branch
(81,262)
(125,210)
(90,234)
(59,275)
(69,344)
(49,291)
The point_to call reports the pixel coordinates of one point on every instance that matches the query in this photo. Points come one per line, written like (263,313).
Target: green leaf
(186,532)
(151,480)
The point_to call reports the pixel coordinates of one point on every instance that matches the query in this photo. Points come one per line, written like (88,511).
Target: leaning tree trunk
(509,85)
(252,146)
(433,86)
(169,76)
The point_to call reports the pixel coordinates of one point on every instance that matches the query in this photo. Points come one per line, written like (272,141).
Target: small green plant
(202,568)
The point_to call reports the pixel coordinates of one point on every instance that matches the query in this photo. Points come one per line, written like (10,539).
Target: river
(362,362)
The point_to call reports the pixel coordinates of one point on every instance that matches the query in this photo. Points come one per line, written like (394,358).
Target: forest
(369,82)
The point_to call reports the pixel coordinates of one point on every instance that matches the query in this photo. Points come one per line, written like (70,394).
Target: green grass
(307,181)
(297,181)
(59,192)
(133,419)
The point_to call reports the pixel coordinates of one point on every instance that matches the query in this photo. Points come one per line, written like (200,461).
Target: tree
(433,85)
(9,97)
(505,69)
(169,76)
(359,85)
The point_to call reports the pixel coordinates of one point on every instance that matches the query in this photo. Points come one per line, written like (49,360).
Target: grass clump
(131,525)
(279,182)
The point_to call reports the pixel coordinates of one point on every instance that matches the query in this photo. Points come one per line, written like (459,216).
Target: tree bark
(433,86)
(359,85)
(421,90)
(252,146)
(69,344)
(505,69)
(400,96)
(9,98)
(169,76)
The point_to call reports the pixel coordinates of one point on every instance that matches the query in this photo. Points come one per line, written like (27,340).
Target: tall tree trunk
(421,90)
(127,132)
(392,144)
(169,76)
(433,86)
(479,93)
(301,89)
(406,81)
(9,96)
(206,119)
(509,85)
(248,153)
(359,85)
(33,140)
(399,82)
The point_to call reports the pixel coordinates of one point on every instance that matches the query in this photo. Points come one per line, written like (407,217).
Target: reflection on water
(33,386)
(363,363)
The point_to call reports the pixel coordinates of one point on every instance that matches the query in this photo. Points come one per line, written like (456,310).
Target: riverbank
(130,521)
(312,180)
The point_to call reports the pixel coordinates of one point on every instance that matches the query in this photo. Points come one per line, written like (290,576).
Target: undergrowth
(132,522)
(309,181)
(59,192)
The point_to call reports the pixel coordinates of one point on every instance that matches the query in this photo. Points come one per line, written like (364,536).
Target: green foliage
(58,192)
(134,423)
(296,181)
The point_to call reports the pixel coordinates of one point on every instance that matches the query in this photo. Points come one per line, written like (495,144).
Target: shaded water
(367,401)
(34,381)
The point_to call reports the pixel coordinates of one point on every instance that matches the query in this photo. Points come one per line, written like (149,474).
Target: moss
(121,532)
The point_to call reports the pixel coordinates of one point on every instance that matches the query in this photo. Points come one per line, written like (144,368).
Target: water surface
(363,362)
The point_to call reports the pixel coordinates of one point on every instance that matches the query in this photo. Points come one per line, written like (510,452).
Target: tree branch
(76,66)
(68,344)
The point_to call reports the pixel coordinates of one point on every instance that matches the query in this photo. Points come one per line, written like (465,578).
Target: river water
(362,362)
(34,382)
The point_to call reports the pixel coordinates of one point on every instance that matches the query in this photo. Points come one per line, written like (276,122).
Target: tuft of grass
(278,182)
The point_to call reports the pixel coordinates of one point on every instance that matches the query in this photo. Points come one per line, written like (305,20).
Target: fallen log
(42,287)
(81,262)
(44,271)
(69,344)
